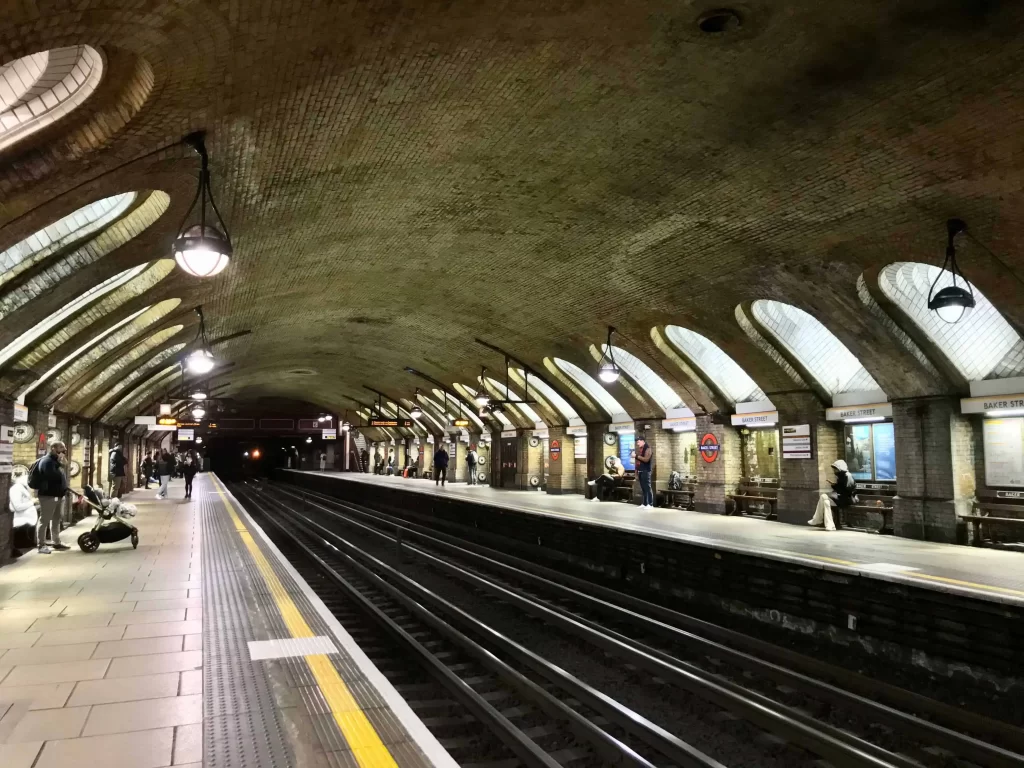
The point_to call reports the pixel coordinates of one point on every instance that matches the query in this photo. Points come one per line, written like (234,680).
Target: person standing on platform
(644,465)
(323,461)
(26,515)
(164,470)
(364,457)
(471,462)
(189,469)
(48,480)
(440,466)
(118,472)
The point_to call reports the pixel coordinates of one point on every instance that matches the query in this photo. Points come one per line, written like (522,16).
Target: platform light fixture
(198,412)
(954,301)
(309,439)
(197,394)
(481,398)
(201,361)
(415,412)
(608,370)
(199,441)
(203,249)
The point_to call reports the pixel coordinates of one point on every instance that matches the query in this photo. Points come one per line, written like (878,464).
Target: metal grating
(241,728)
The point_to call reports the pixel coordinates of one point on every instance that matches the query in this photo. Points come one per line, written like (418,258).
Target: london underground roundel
(709,448)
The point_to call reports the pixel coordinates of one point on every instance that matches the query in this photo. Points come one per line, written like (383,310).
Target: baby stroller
(112,524)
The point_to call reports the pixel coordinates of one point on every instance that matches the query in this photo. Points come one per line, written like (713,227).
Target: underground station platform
(201,647)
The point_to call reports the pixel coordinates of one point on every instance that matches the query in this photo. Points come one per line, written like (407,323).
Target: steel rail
(631,721)
(817,737)
(672,621)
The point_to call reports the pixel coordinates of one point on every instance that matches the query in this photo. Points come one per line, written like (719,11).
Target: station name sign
(460,423)
(761,419)
(167,421)
(873,411)
(390,422)
(992,403)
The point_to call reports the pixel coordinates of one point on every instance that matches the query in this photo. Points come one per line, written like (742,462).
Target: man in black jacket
(118,472)
(52,486)
(440,466)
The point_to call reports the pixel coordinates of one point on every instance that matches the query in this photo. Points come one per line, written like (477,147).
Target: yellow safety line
(362,739)
(972,584)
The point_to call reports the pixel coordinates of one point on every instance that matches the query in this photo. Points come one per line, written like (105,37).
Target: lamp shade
(201,361)
(416,412)
(202,252)
(951,303)
(481,399)
(198,413)
(608,373)
(197,394)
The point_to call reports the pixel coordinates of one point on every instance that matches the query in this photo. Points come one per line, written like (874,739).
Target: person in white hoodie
(844,494)
(26,513)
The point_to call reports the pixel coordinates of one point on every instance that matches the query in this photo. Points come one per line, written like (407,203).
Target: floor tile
(73,622)
(9,625)
(149,617)
(30,613)
(129,666)
(197,592)
(63,672)
(21,755)
(191,682)
(49,654)
(139,647)
(167,594)
(142,749)
(86,608)
(110,691)
(41,696)
(49,724)
(152,585)
(144,715)
(193,643)
(70,636)
(194,614)
(188,744)
(18,640)
(165,605)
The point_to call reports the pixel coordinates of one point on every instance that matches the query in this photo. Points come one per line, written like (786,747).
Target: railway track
(784,708)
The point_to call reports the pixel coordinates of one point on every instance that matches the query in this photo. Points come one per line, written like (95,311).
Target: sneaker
(45,551)
(61,547)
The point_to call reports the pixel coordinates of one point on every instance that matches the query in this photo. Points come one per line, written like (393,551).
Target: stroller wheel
(89,541)
(135,539)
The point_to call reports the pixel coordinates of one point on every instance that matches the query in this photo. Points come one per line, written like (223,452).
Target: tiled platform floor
(101,654)
(979,572)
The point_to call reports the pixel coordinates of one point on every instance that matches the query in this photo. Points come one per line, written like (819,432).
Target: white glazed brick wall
(594,391)
(981,346)
(648,380)
(122,383)
(715,364)
(527,411)
(551,396)
(124,409)
(468,409)
(37,90)
(103,379)
(826,358)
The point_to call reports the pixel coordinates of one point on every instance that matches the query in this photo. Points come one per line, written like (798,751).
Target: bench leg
(977,532)
(771,511)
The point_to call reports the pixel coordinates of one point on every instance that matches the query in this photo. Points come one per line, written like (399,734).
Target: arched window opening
(717,367)
(594,391)
(833,366)
(123,408)
(650,382)
(62,233)
(38,90)
(55,319)
(983,345)
(550,395)
(457,405)
(526,410)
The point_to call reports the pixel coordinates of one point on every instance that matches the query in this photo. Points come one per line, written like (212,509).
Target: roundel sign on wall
(709,448)
(555,450)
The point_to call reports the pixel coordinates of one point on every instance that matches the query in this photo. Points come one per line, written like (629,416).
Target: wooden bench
(624,487)
(996,510)
(760,491)
(871,497)
(682,497)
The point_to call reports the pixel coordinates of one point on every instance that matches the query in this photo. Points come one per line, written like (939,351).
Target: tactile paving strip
(241,726)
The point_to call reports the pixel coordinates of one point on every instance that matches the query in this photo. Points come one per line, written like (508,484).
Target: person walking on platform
(644,465)
(164,470)
(147,469)
(440,465)
(118,472)
(844,494)
(47,479)
(189,470)
(364,459)
(471,462)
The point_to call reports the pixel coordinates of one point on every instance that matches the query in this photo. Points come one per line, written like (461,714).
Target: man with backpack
(471,462)
(48,480)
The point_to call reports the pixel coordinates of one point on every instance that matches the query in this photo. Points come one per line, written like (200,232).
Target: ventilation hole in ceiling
(719,21)
(301,372)
(364,320)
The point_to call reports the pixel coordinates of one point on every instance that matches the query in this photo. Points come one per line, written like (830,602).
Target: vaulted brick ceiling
(402,177)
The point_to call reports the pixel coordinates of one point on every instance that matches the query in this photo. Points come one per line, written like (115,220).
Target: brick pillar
(526,460)
(494,472)
(457,471)
(6,516)
(561,467)
(597,450)
(719,477)
(801,481)
(935,477)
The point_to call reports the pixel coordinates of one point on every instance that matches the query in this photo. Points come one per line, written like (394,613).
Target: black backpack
(35,476)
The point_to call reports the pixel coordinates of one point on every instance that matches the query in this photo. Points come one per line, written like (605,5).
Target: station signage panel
(390,422)
(20,412)
(870,411)
(330,434)
(796,441)
(680,424)
(167,421)
(463,423)
(147,421)
(759,419)
(186,435)
(994,403)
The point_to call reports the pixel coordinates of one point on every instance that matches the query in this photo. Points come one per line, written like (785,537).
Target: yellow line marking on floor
(362,738)
(971,584)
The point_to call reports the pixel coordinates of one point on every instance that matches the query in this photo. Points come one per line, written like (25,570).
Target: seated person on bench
(605,483)
(844,494)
